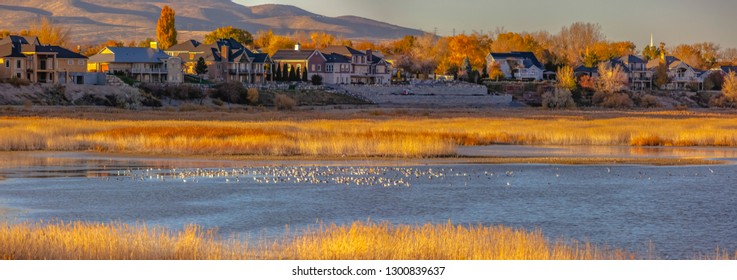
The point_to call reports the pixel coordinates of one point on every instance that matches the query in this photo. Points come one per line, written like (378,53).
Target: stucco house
(226,60)
(24,57)
(680,74)
(337,64)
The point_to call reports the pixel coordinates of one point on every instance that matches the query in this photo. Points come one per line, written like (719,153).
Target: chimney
(225,52)
(154,45)
(297,47)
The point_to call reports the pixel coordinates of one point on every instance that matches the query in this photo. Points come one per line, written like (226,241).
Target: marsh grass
(392,137)
(358,241)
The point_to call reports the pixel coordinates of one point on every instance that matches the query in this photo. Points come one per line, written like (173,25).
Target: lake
(683,211)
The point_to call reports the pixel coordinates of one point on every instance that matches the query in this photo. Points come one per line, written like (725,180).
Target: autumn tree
(226,32)
(573,40)
(729,92)
(566,79)
(48,32)
(611,79)
(728,56)
(660,77)
(650,53)
(467,69)
(166,32)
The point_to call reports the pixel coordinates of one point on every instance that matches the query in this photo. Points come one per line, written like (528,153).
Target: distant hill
(99,20)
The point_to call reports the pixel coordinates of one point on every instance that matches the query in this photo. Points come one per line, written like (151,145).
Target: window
(70,62)
(329,68)
(319,68)
(17,64)
(7,63)
(313,67)
(80,62)
(17,75)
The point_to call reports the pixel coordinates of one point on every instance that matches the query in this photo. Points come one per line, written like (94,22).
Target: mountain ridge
(94,21)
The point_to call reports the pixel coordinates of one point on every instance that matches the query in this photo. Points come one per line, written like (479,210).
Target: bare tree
(573,40)
(611,79)
(49,33)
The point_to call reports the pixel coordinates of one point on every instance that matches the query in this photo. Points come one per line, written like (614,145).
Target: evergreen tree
(661,75)
(304,75)
(650,53)
(298,74)
(277,73)
(285,73)
(467,68)
(166,32)
(201,67)
(292,74)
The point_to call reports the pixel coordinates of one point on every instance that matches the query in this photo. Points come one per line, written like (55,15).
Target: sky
(671,21)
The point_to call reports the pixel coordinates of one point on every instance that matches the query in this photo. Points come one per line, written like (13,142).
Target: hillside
(127,20)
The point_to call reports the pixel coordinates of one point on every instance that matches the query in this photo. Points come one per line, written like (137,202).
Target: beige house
(149,65)
(226,60)
(24,57)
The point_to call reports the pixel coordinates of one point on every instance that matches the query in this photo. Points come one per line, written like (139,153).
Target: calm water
(683,211)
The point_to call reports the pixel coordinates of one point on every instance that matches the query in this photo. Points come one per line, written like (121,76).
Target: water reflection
(600,151)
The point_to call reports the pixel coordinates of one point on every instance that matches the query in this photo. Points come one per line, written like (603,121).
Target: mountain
(92,21)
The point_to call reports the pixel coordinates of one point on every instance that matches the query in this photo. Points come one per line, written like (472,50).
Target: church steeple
(651,40)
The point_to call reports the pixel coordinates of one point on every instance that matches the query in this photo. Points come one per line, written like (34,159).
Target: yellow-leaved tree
(166,32)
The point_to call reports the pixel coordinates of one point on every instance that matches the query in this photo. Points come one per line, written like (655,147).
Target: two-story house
(337,64)
(24,57)
(516,65)
(680,74)
(143,64)
(226,59)
(640,77)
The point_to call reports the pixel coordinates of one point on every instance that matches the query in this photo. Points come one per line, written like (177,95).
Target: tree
(166,32)
(661,75)
(559,99)
(226,32)
(316,80)
(611,79)
(48,33)
(650,53)
(201,67)
(729,88)
(298,74)
(304,75)
(572,40)
(277,73)
(285,72)
(467,69)
(566,79)
(714,81)
(292,74)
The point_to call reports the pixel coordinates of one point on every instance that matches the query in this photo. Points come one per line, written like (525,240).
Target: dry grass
(369,241)
(393,137)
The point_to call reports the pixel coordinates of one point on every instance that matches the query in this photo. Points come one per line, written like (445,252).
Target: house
(680,74)
(728,69)
(337,64)
(516,65)
(300,60)
(150,65)
(639,76)
(24,57)
(226,60)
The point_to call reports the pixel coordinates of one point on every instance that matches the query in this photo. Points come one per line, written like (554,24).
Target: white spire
(651,40)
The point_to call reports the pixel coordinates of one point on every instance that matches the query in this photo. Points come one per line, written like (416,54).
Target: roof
(130,55)
(287,54)
(336,58)
(60,52)
(584,69)
(261,58)
(186,46)
(728,69)
(627,59)
(671,61)
(528,57)
(343,50)
(24,40)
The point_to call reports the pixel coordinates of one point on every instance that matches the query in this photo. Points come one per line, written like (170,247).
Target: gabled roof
(336,58)
(261,58)
(584,69)
(525,56)
(627,59)
(23,40)
(287,54)
(129,55)
(342,50)
(187,46)
(670,61)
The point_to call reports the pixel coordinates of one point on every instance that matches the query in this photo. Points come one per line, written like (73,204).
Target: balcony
(239,71)
(149,71)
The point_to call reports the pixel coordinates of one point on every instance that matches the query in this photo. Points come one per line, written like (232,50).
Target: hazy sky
(671,21)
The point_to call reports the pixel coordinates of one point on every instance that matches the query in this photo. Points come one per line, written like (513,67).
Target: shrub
(218,102)
(252,96)
(284,102)
(16,82)
(612,100)
(561,98)
(714,81)
(649,101)
(230,92)
(316,80)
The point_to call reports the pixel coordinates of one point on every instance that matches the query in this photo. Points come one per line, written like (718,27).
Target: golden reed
(426,137)
(359,241)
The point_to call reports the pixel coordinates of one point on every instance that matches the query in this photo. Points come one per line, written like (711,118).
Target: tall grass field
(427,137)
